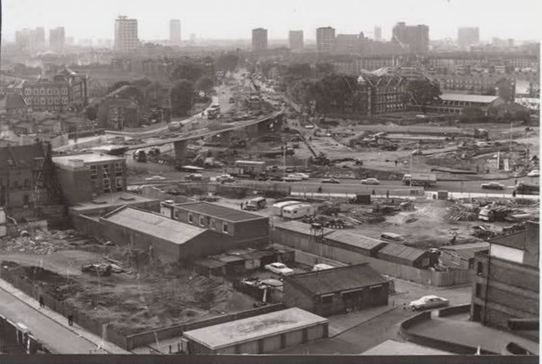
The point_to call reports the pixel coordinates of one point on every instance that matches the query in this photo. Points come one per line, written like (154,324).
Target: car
(319,267)
(279,268)
(493,186)
(290,170)
(303,176)
(370,181)
(309,126)
(155,178)
(428,302)
(533,174)
(225,178)
(331,180)
(292,178)
(417,152)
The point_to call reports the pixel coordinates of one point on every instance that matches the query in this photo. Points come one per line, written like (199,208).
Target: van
(392,237)
(256,204)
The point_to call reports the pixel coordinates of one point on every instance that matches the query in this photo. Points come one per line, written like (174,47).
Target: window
(202,220)
(118,169)
(42,91)
(105,169)
(93,172)
(64,100)
(56,91)
(190,218)
(118,184)
(425,262)
(107,185)
(327,298)
(57,100)
(28,92)
(36,91)
(480,268)
(64,91)
(50,100)
(212,223)
(49,91)
(225,227)
(26,199)
(478,290)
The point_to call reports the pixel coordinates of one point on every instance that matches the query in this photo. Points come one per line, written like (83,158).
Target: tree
(116,86)
(472,114)
(489,91)
(181,97)
(422,92)
(204,84)
(187,70)
(227,62)
(533,90)
(324,68)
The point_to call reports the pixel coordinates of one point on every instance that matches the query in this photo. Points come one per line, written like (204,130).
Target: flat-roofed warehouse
(265,333)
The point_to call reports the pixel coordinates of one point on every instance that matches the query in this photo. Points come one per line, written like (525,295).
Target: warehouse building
(354,242)
(336,291)
(406,255)
(261,334)
(461,256)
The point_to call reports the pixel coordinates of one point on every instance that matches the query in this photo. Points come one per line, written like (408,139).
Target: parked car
(279,268)
(370,181)
(224,178)
(155,178)
(309,126)
(331,180)
(319,267)
(493,186)
(292,178)
(303,176)
(533,174)
(428,302)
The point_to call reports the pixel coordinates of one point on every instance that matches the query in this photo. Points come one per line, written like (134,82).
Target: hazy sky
(221,19)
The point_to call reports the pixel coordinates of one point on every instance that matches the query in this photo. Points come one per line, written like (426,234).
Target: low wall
(144,338)
(311,259)
(454,310)
(405,330)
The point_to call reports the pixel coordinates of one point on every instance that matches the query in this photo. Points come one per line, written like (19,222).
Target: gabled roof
(402,251)
(466,251)
(516,240)
(469,98)
(337,279)
(153,224)
(359,241)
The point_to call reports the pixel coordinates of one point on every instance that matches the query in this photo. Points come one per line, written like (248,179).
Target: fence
(144,338)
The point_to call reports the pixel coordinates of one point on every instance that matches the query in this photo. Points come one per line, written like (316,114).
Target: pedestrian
(514,193)
(515,182)
(453,240)
(395,163)
(41,301)
(387,194)
(70,319)
(374,192)
(242,205)
(319,189)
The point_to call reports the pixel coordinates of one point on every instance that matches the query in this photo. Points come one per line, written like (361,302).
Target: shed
(406,255)
(354,242)
(461,256)
(336,291)
(261,334)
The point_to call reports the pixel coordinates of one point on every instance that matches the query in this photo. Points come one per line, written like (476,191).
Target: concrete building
(175,32)
(455,103)
(478,84)
(508,280)
(64,91)
(415,37)
(126,35)
(468,36)
(57,39)
(336,291)
(378,34)
(295,39)
(238,228)
(325,40)
(261,334)
(84,177)
(348,44)
(461,256)
(259,39)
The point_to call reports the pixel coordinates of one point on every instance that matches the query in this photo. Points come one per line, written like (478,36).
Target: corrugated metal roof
(360,241)
(338,279)
(298,227)
(469,98)
(154,224)
(254,328)
(220,212)
(478,246)
(516,240)
(401,251)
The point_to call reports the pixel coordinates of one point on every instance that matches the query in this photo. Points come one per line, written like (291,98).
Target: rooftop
(220,212)
(253,328)
(337,279)
(153,224)
(392,347)
(356,240)
(298,227)
(401,251)
(86,158)
(110,200)
(21,155)
(469,98)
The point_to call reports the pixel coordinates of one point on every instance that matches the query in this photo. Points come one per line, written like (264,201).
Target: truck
(523,188)
(420,179)
(140,156)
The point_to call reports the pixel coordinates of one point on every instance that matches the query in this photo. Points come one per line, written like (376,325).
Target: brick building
(455,103)
(336,291)
(86,176)
(387,93)
(507,284)
(64,91)
(478,85)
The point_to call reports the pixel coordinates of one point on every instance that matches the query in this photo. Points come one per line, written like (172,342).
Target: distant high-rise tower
(126,39)
(296,39)
(415,37)
(468,36)
(175,31)
(259,39)
(378,34)
(325,39)
(57,39)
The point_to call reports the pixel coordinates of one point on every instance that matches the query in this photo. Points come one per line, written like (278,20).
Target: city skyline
(348,17)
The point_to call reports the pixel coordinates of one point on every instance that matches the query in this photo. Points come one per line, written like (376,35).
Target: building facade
(65,90)
(325,40)
(259,39)
(508,279)
(468,36)
(175,31)
(126,35)
(498,85)
(415,37)
(388,94)
(295,39)
(456,103)
(337,291)
(57,39)
(348,43)
(84,177)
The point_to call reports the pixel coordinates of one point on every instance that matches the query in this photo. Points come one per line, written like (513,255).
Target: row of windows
(107,185)
(207,221)
(46,91)
(118,168)
(47,100)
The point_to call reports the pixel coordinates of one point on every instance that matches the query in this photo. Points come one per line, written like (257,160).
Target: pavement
(339,324)
(458,329)
(50,327)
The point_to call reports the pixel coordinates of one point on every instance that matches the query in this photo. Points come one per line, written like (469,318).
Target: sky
(234,19)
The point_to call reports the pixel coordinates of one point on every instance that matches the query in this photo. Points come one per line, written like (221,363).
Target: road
(54,336)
